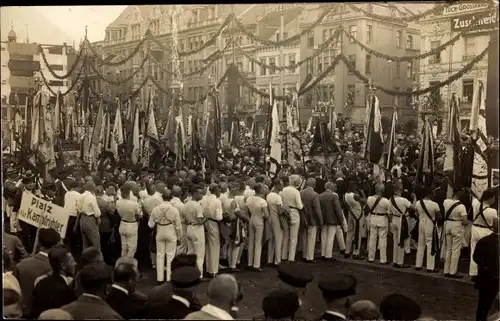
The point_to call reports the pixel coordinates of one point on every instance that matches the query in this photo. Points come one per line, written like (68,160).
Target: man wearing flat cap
(29,269)
(280,304)
(296,276)
(336,291)
(184,282)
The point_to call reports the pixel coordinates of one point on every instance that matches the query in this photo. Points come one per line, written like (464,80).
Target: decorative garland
(46,82)
(424,55)
(120,82)
(316,53)
(418,92)
(240,27)
(436,10)
(70,71)
(211,60)
(205,45)
(121,62)
(199,100)
(132,95)
(306,89)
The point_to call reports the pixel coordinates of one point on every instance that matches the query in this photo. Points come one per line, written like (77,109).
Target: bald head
(89,186)
(364,310)
(295,180)
(176,191)
(55,314)
(160,186)
(311,182)
(379,188)
(223,290)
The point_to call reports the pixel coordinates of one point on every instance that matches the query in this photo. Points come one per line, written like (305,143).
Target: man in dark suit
(95,280)
(313,219)
(333,219)
(336,291)
(122,297)
(29,269)
(53,289)
(184,281)
(14,247)
(486,257)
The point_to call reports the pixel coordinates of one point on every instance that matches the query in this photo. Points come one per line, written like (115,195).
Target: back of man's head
(330,186)
(124,273)
(55,314)
(214,189)
(58,256)
(311,182)
(167,195)
(364,310)
(91,255)
(176,191)
(223,290)
(95,278)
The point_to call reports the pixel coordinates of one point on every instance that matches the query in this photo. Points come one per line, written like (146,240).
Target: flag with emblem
(117,137)
(452,161)
(425,169)
(480,170)
(135,141)
(274,144)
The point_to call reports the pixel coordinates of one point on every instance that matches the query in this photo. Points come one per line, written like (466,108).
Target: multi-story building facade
(444,26)
(57,59)
(197,23)
(341,86)
(20,67)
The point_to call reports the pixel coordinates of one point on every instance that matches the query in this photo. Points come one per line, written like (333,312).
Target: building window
(395,98)
(409,98)
(470,47)
(310,40)
(398,69)
(352,32)
(369,34)
(368,64)
(251,66)
(181,67)
(319,66)
(467,90)
(325,35)
(409,70)
(262,68)
(57,67)
(56,83)
(436,59)
(272,63)
(409,42)
(239,63)
(352,60)
(351,90)
(398,39)
(435,94)
(291,62)
(309,67)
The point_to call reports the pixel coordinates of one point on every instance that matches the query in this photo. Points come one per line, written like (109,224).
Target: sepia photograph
(251,161)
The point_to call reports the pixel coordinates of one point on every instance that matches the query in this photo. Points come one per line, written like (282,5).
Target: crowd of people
(194,226)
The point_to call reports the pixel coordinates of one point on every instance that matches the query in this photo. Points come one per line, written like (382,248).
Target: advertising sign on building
(464,7)
(480,20)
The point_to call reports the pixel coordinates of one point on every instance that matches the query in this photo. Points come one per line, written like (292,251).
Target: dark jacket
(51,292)
(175,308)
(312,208)
(108,216)
(331,209)
(486,257)
(27,271)
(14,247)
(128,305)
(90,307)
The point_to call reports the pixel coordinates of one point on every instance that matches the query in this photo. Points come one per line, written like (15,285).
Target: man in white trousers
(313,218)
(428,211)
(257,207)
(194,219)
(455,216)
(399,209)
(167,220)
(130,214)
(355,221)
(177,203)
(275,206)
(292,202)
(484,217)
(378,224)
(212,207)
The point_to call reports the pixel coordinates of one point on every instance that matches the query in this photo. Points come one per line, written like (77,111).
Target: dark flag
(492,104)
(374,146)
(425,170)
(452,161)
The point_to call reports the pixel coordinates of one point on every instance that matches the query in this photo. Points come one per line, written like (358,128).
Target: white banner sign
(464,7)
(37,212)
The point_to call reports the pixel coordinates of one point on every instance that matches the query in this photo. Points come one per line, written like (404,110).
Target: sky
(73,19)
